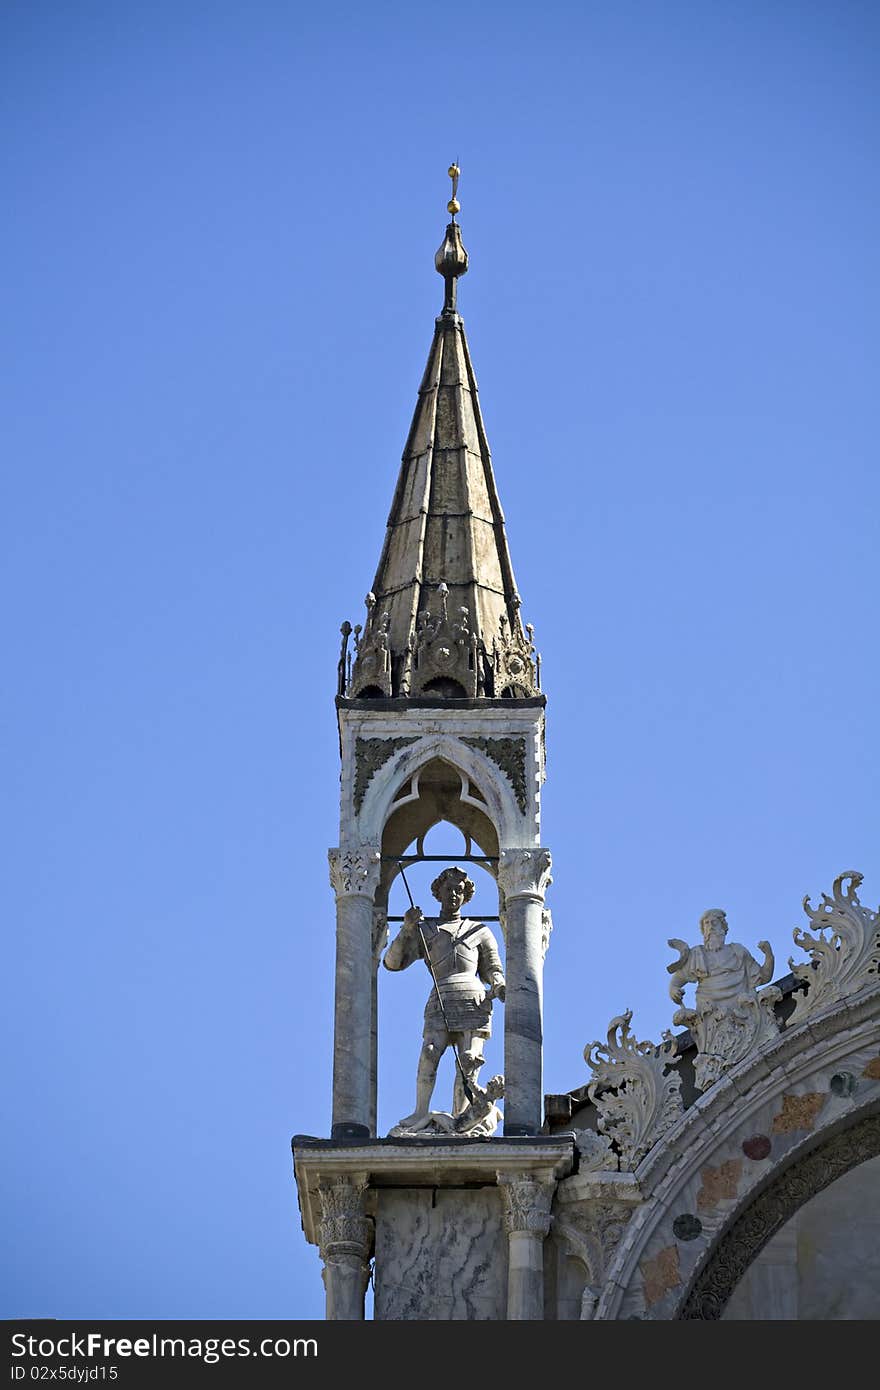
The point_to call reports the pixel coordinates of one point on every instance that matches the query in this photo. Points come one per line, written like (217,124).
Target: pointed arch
(497,797)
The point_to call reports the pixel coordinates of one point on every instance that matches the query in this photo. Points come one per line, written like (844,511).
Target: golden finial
(454,205)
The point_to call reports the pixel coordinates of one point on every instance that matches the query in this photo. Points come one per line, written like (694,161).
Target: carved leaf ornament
(844,951)
(637,1097)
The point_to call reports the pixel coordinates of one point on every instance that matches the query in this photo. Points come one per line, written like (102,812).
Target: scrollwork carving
(844,952)
(638,1098)
(596,1154)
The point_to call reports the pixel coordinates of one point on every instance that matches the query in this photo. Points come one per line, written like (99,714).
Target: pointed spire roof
(443,614)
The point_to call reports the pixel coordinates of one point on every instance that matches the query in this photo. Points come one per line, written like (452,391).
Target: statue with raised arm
(467,968)
(728,1020)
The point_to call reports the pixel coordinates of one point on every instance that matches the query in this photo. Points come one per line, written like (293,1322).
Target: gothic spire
(443,614)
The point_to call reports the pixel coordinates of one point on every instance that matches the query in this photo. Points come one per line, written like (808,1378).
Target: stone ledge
(419,1163)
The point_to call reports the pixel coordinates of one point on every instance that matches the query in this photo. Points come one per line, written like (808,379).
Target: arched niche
(469,777)
(437,791)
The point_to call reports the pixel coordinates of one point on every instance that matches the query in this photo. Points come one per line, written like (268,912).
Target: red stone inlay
(757,1147)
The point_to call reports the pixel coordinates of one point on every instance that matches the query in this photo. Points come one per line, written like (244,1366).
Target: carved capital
(354,872)
(527,1202)
(346,1232)
(524,873)
(592,1232)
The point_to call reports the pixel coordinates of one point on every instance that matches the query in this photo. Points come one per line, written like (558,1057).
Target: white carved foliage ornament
(354,871)
(637,1098)
(524,872)
(844,952)
(526,1203)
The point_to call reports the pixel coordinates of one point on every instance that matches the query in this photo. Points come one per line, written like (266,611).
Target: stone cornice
(430,1163)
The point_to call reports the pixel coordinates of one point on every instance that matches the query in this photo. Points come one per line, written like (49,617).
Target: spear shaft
(464,1081)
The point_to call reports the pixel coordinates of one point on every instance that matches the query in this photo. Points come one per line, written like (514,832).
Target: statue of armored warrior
(467,968)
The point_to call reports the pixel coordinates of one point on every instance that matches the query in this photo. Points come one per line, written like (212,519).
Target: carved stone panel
(510,755)
(440,1255)
(369,755)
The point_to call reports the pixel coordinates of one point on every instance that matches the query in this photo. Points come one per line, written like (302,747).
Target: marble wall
(825,1262)
(441,1254)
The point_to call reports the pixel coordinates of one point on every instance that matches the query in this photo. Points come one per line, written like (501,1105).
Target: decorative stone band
(527,1202)
(346,1232)
(355,872)
(524,873)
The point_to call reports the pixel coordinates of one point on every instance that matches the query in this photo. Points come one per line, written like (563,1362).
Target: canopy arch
(486,791)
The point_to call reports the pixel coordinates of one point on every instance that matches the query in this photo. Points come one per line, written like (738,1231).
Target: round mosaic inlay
(757,1147)
(687,1227)
(843,1083)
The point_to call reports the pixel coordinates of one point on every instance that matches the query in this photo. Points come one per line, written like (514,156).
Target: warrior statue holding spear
(465,967)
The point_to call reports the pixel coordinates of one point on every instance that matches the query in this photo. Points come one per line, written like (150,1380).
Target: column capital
(527,1201)
(346,1232)
(354,872)
(524,873)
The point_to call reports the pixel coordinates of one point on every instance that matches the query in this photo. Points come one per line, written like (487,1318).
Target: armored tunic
(465,958)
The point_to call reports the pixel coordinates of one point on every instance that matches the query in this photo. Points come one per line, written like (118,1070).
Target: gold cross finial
(454,205)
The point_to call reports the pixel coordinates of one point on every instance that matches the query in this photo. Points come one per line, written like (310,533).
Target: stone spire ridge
(443,616)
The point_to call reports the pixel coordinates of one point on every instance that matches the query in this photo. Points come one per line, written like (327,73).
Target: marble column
(526,1202)
(523,876)
(380,941)
(345,1244)
(354,874)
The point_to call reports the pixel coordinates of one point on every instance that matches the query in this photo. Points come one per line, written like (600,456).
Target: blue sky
(219,296)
